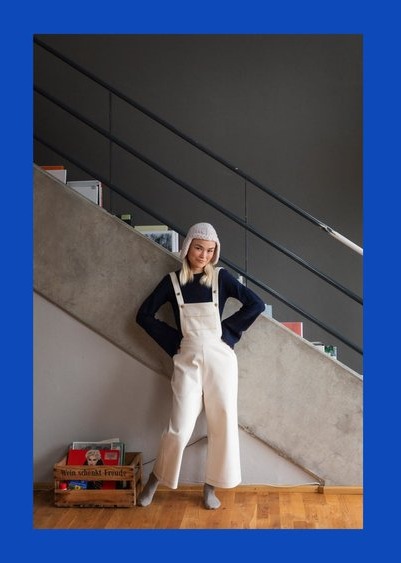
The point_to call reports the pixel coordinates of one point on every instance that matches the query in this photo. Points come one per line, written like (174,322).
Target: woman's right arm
(165,335)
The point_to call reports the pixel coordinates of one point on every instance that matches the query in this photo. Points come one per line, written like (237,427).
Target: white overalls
(205,372)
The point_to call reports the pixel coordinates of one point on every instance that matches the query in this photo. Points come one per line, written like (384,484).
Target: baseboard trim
(327,489)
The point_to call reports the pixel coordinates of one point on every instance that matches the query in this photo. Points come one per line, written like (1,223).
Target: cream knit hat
(203,231)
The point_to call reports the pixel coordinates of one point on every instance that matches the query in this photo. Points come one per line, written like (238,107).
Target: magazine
(110,444)
(94,454)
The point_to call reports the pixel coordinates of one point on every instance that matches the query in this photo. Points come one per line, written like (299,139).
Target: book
(85,444)
(126,217)
(167,239)
(76,485)
(268,312)
(328,349)
(147,228)
(297,327)
(91,189)
(58,172)
(110,443)
(93,458)
(331,350)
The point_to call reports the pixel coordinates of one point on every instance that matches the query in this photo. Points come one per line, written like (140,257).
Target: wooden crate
(130,475)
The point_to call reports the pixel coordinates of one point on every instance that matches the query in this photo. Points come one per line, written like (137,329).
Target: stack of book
(104,452)
(57,171)
(330,350)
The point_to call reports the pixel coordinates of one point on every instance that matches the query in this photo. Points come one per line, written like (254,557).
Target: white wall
(86,388)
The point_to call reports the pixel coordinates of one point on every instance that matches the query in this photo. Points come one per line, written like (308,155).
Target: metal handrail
(202,148)
(164,221)
(166,173)
(199,195)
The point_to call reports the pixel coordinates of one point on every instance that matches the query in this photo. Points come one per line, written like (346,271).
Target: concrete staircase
(296,399)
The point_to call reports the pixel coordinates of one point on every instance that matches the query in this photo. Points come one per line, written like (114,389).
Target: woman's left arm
(252,307)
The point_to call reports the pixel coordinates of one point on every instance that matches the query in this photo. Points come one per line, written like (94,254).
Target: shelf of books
(98,474)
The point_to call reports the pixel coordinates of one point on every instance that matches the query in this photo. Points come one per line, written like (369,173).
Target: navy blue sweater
(169,338)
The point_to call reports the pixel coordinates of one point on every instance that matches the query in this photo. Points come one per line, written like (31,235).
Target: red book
(57,167)
(297,327)
(94,458)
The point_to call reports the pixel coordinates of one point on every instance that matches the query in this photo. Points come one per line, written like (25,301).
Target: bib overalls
(205,374)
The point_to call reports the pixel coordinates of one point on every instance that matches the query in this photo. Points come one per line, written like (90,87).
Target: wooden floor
(245,507)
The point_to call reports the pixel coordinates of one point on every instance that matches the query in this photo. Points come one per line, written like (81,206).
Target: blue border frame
(381,204)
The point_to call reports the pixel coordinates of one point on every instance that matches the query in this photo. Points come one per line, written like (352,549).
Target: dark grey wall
(287,109)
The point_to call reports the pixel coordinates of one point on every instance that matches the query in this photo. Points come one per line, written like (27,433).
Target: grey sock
(146,496)
(210,500)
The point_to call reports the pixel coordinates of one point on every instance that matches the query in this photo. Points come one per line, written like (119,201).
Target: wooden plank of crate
(101,498)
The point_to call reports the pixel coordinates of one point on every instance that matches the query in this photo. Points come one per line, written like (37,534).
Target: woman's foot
(146,496)
(210,500)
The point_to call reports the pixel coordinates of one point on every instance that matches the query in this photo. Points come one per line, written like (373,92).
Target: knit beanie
(203,231)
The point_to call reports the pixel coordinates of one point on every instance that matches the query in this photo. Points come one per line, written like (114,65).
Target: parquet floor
(245,507)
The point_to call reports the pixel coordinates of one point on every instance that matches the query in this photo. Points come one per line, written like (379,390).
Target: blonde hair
(93,453)
(186,274)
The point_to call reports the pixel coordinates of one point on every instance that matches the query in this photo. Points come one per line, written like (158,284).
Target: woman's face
(200,253)
(92,460)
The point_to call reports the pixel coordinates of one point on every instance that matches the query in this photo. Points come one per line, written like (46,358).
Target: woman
(205,364)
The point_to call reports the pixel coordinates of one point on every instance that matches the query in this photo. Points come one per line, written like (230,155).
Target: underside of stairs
(302,403)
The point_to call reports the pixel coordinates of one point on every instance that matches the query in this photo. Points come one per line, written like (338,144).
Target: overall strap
(215,286)
(177,289)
